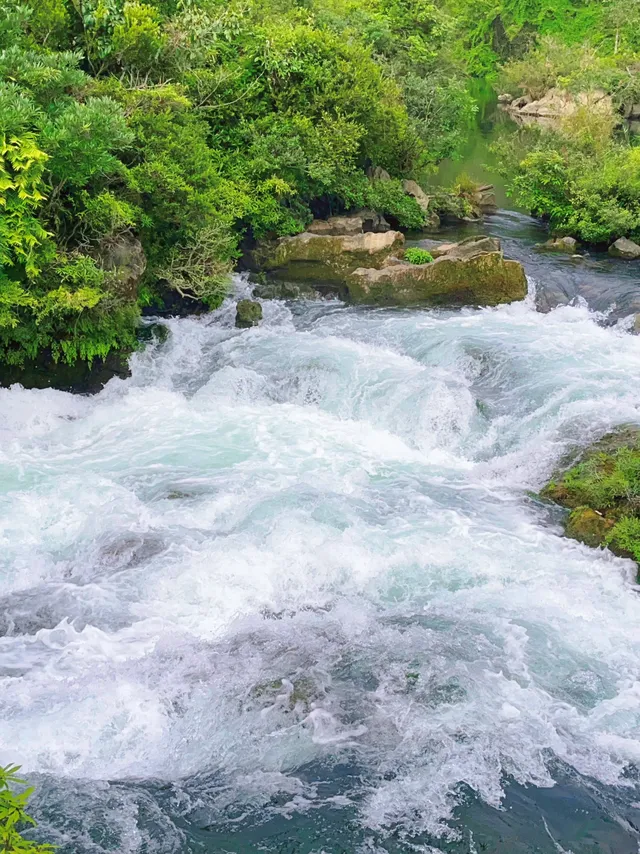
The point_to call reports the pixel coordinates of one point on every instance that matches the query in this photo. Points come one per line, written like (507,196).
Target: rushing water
(286,590)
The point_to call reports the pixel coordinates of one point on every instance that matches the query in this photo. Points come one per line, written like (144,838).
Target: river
(288,589)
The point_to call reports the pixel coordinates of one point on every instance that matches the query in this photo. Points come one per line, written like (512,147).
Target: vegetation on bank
(14,818)
(582,172)
(189,124)
(603,494)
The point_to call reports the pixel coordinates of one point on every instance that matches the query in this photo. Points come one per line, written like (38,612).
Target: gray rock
(248,313)
(625,248)
(124,257)
(412,188)
(377,173)
(505,98)
(561,244)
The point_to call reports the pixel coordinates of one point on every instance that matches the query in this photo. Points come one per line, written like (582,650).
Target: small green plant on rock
(13,815)
(415,255)
(603,493)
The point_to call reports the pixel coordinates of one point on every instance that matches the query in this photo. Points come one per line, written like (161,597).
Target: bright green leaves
(139,39)
(14,816)
(22,166)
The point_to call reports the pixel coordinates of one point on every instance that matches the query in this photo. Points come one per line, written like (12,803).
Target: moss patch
(603,492)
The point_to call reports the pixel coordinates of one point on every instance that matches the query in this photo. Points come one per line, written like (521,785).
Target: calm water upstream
(285,589)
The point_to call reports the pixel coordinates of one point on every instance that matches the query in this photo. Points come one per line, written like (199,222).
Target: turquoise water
(285,590)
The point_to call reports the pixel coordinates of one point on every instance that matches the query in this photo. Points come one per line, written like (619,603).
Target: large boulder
(325,259)
(474,272)
(484,199)
(412,188)
(624,248)
(124,257)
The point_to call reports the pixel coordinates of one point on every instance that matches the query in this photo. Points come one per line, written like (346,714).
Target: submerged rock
(602,491)
(560,244)
(248,314)
(626,249)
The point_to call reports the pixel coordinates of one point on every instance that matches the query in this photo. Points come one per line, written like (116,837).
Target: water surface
(286,590)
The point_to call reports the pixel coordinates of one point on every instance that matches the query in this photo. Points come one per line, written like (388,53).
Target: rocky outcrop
(484,199)
(357,223)
(626,249)
(413,189)
(370,268)
(325,259)
(559,104)
(473,272)
(124,257)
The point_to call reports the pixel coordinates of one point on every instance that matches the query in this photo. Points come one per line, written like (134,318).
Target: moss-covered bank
(602,491)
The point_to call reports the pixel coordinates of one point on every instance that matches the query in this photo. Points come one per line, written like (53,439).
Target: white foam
(312,539)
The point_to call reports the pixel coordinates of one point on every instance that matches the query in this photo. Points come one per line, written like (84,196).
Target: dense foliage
(188,124)
(583,172)
(14,817)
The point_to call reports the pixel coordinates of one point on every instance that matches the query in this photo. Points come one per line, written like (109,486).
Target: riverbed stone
(626,249)
(248,313)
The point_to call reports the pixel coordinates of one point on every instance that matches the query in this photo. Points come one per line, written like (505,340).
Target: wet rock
(248,313)
(480,278)
(561,244)
(125,258)
(271,289)
(626,249)
(80,378)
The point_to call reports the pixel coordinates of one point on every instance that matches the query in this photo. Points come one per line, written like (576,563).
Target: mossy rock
(602,490)
(324,259)
(248,313)
(485,279)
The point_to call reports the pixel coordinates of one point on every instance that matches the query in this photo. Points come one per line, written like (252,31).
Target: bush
(415,255)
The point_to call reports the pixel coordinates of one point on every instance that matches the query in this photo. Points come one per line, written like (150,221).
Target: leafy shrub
(415,255)
(14,816)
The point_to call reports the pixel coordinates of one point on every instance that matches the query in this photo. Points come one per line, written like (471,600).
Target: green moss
(414,255)
(603,493)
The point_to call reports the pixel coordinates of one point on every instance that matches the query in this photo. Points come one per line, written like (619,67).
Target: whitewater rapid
(314,543)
